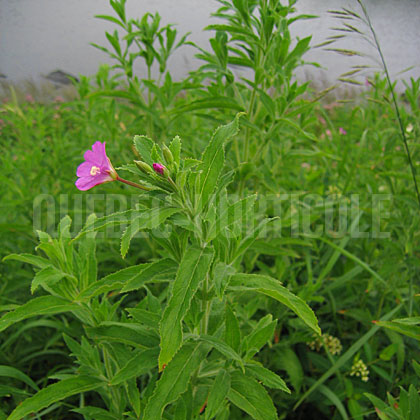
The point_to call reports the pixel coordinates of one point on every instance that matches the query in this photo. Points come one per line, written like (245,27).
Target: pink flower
(328,132)
(342,131)
(97,168)
(159,168)
(29,98)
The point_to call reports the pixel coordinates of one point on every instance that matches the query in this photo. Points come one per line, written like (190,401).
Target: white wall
(39,36)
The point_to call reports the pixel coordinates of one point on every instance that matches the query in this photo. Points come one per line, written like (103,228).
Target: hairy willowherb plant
(353,23)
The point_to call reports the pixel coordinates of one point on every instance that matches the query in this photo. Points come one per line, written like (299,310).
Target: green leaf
(159,271)
(416,367)
(124,332)
(355,409)
(221,276)
(133,395)
(272,287)
(250,396)
(43,305)
(259,335)
(266,376)
(129,278)
(333,397)
(119,218)
(11,372)
(407,329)
(53,393)
(287,360)
(175,379)
(144,147)
(141,363)
(213,160)
(219,102)
(47,277)
(192,270)
(95,413)
(149,219)
(232,330)
(222,347)
(232,217)
(175,148)
(29,259)
(218,393)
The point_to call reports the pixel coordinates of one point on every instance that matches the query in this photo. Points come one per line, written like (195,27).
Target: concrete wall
(39,36)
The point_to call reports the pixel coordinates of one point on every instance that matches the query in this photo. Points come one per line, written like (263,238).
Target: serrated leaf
(260,335)
(141,363)
(129,278)
(250,396)
(267,377)
(175,379)
(123,332)
(53,393)
(175,148)
(213,160)
(231,218)
(144,147)
(149,219)
(222,347)
(43,305)
(119,218)
(232,330)
(47,277)
(272,287)
(218,393)
(29,259)
(192,270)
(95,413)
(407,329)
(162,270)
(221,276)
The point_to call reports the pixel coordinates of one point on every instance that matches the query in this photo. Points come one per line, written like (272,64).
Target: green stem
(133,184)
(108,369)
(248,130)
(205,306)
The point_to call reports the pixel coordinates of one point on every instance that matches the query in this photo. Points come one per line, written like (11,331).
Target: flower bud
(167,154)
(160,169)
(144,167)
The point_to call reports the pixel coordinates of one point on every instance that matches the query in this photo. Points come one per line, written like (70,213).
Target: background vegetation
(292,140)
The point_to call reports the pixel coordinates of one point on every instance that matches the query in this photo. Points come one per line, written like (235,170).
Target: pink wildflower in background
(322,120)
(29,98)
(97,168)
(342,131)
(328,132)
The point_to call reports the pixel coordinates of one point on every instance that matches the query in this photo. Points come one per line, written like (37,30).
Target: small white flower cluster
(360,369)
(333,344)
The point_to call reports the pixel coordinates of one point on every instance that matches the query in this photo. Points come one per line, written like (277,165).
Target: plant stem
(205,307)
(133,184)
(108,369)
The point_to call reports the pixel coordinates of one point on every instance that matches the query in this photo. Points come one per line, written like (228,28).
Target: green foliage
(205,296)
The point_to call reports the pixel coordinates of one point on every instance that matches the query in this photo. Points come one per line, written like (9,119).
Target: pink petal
(84,169)
(87,182)
(97,155)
